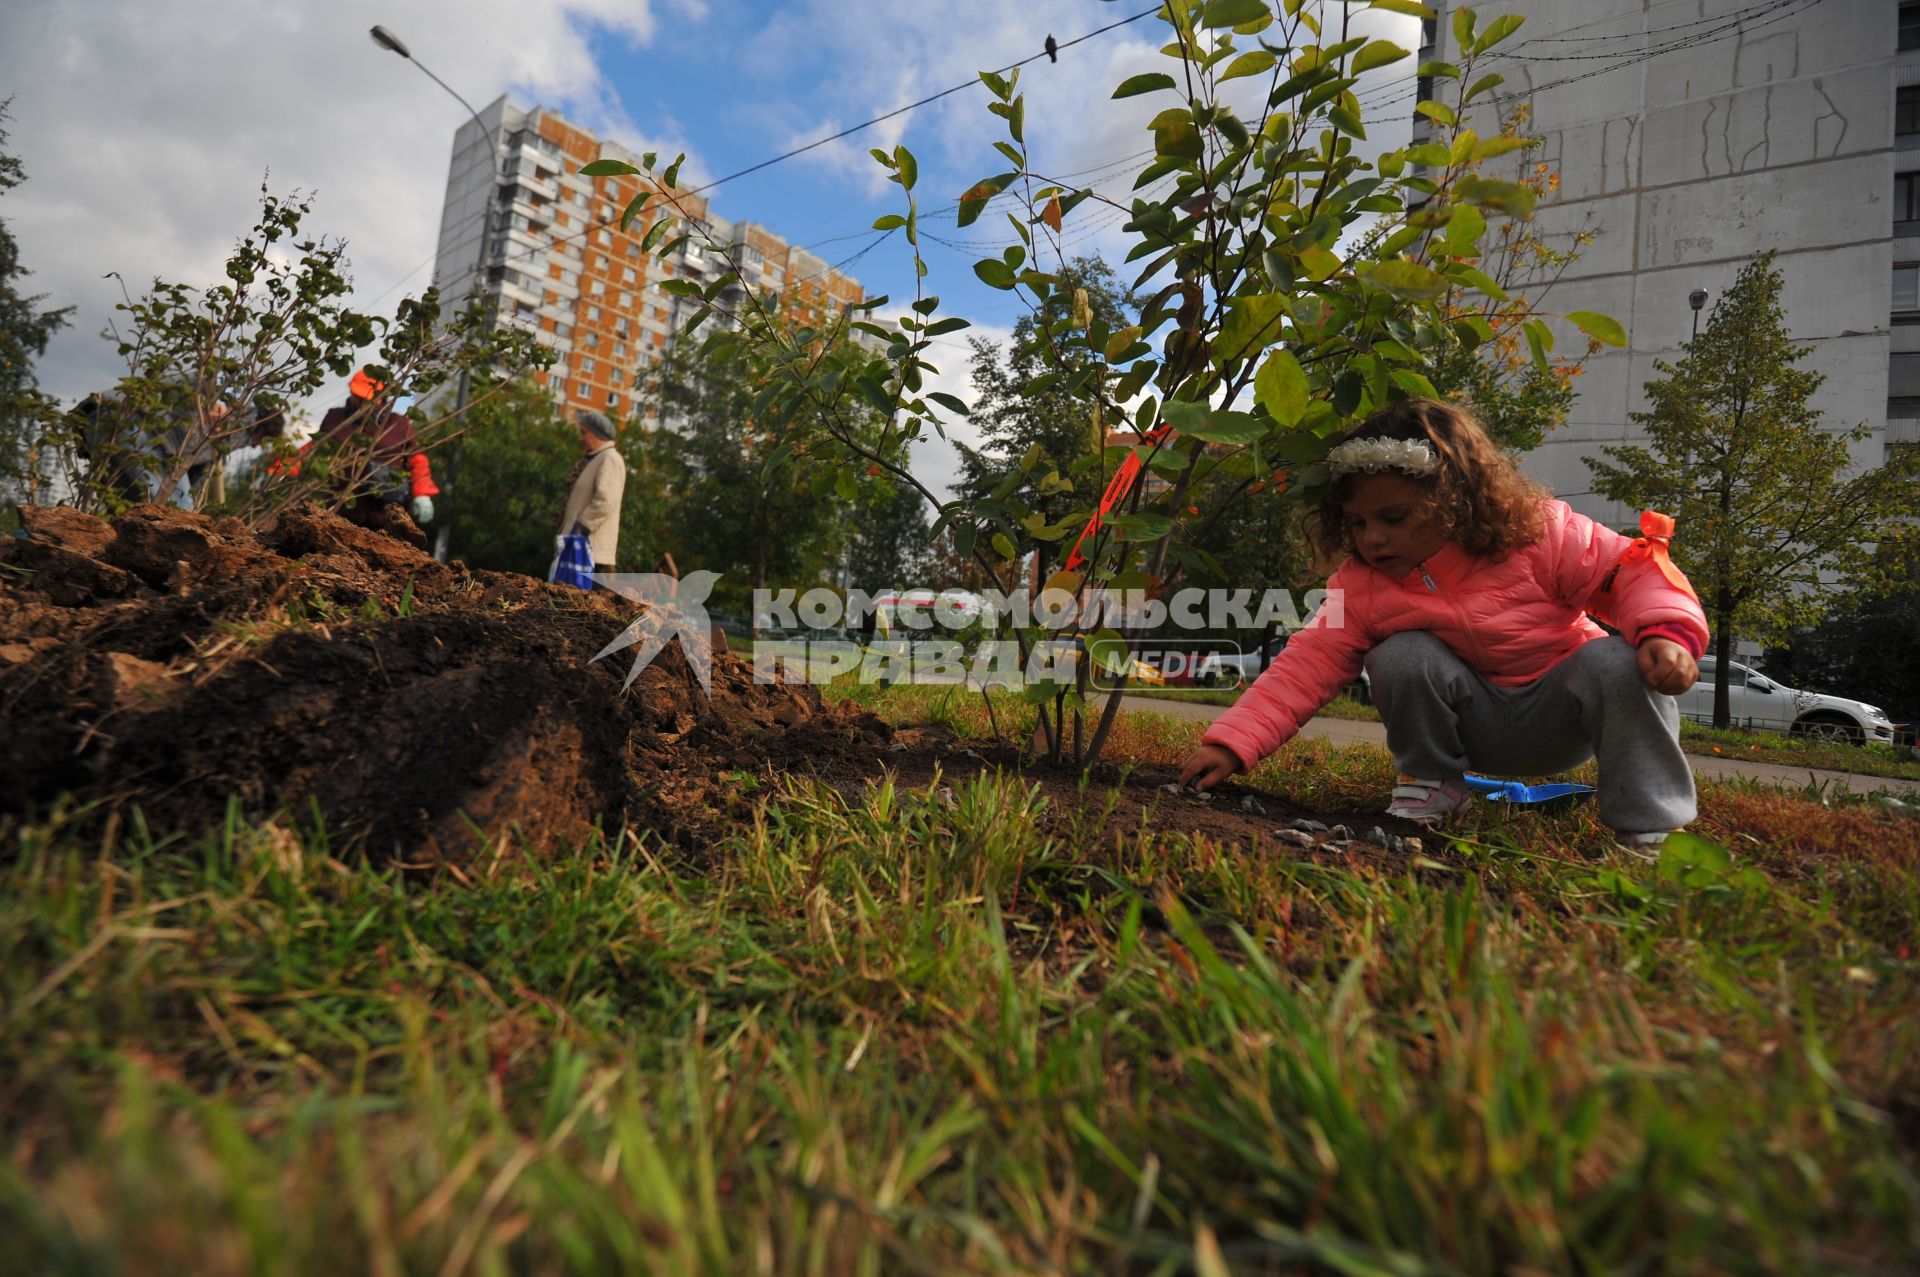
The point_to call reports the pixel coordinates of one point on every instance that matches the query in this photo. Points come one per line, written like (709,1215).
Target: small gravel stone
(1410,845)
(1252,804)
(1310,826)
(1295,837)
(1377,836)
(1341,833)
(1171,788)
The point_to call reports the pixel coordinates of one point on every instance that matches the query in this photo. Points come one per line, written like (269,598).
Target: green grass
(938,1032)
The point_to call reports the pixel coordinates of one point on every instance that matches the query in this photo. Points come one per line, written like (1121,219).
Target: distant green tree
(887,541)
(1041,439)
(25,329)
(1868,646)
(737,511)
(517,458)
(1737,454)
(514,463)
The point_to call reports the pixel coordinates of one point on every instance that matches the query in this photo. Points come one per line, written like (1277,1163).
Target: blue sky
(147,126)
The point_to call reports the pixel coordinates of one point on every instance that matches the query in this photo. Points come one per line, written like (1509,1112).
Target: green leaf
(1251,325)
(1003,544)
(680,287)
(1146,526)
(844,486)
(1318,263)
(1348,121)
(606,168)
(1233,13)
(633,209)
(1108,650)
(1475,278)
(1210,425)
(949,402)
(889,222)
(1412,8)
(1281,388)
(1482,84)
(1439,112)
(1463,28)
(941,328)
(1377,53)
(994,273)
(1178,139)
(906,168)
(1540,339)
(1602,328)
(1464,229)
(1489,147)
(1512,198)
(1134,85)
(1403,278)
(1497,30)
(975,201)
(1253,62)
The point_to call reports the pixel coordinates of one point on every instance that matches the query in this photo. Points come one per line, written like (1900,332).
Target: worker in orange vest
(380,452)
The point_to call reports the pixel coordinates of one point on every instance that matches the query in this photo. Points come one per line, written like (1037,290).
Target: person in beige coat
(593,497)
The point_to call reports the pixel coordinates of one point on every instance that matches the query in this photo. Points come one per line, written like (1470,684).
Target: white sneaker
(1427,802)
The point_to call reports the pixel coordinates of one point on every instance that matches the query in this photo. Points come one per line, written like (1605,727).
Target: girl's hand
(1209,765)
(1667,666)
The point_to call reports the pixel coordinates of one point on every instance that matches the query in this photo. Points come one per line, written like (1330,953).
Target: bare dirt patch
(421,710)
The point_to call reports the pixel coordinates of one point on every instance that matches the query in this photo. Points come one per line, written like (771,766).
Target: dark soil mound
(341,675)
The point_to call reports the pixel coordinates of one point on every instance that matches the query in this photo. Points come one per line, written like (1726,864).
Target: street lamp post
(394,44)
(1696,299)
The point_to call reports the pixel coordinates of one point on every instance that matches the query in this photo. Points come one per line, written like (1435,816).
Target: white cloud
(146,126)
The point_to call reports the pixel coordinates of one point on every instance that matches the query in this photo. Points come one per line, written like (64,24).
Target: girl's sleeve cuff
(1685,636)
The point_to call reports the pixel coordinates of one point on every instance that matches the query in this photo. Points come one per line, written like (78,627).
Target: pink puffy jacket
(1512,619)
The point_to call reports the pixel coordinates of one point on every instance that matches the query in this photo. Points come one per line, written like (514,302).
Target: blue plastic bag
(574,564)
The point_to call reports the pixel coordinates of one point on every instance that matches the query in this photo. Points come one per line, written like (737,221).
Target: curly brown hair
(1477,497)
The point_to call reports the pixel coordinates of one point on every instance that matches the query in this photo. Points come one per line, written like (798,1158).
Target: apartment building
(544,245)
(1690,135)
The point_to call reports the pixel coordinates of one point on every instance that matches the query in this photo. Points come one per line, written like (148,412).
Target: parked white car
(1756,701)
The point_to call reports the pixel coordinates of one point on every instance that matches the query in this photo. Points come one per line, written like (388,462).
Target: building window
(633,278)
(1909,26)
(1906,110)
(613,399)
(582,390)
(1906,286)
(586,367)
(1906,197)
(593,314)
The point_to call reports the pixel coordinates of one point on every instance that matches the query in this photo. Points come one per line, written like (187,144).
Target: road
(1345,731)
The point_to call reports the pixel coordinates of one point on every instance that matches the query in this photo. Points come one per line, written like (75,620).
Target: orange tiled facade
(560,265)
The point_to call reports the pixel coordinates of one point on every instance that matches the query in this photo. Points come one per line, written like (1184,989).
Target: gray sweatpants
(1443,718)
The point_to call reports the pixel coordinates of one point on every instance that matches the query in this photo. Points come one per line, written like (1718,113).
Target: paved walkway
(1345,731)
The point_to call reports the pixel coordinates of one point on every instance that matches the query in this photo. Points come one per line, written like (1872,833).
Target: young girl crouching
(1467,595)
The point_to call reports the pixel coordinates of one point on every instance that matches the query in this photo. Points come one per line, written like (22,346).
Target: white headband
(1371,456)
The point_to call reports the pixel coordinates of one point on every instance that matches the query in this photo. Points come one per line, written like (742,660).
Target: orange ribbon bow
(1655,542)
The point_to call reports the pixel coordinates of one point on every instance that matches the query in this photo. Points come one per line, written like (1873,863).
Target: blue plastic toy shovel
(1512,791)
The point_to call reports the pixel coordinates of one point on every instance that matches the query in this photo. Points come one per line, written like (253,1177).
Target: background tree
(518,459)
(745,513)
(1868,646)
(25,329)
(887,541)
(1046,443)
(1768,524)
(203,361)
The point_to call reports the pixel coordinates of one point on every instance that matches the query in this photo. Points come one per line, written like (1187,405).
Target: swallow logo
(671,609)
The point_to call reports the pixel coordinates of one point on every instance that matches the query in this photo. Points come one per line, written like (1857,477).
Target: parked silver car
(1756,701)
